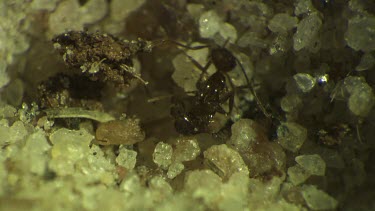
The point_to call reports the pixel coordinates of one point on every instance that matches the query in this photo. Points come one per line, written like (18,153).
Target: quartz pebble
(313,164)
(307,31)
(13,35)
(209,24)
(126,158)
(159,184)
(290,103)
(228,32)
(367,62)
(162,155)
(243,134)
(91,12)
(360,34)
(59,21)
(203,184)
(35,152)
(175,169)
(263,192)
(7,111)
(280,45)
(183,78)
(96,167)
(225,161)
(131,184)
(252,39)
(317,199)
(361,99)
(234,193)
(305,81)
(291,136)
(282,23)
(69,147)
(10,135)
(353,83)
(297,174)
(303,7)
(261,156)
(187,149)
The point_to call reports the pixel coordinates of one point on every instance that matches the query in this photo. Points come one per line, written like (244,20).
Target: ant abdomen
(190,117)
(210,90)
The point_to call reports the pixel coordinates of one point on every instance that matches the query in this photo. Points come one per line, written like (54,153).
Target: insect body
(194,114)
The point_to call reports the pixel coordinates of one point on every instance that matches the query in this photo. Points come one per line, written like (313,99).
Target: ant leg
(163,42)
(259,103)
(226,42)
(358,132)
(199,66)
(232,93)
(224,98)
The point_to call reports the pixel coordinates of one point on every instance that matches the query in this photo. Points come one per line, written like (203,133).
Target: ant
(107,59)
(194,114)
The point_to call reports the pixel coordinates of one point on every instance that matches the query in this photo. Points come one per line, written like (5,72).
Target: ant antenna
(167,41)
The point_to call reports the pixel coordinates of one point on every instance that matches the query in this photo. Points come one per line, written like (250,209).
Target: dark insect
(194,114)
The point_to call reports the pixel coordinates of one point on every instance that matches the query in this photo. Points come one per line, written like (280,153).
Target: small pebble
(313,164)
(116,132)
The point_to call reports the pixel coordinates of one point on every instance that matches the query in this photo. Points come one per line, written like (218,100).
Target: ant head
(223,59)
